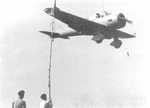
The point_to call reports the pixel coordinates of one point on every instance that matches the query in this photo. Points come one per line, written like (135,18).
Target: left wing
(77,23)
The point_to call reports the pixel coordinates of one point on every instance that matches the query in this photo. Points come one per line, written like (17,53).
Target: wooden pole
(50,60)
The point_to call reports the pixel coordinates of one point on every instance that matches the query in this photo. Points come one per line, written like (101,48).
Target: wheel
(99,41)
(116,43)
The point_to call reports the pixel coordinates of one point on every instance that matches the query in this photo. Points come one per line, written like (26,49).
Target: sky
(84,74)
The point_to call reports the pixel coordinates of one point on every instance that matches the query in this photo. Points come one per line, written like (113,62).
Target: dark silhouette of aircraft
(101,26)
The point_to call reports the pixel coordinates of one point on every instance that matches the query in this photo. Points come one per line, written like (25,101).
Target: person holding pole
(44,103)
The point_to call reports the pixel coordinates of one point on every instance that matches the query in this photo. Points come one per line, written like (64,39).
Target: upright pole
(50,60)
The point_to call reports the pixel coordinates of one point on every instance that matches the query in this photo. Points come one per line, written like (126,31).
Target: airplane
(101,26)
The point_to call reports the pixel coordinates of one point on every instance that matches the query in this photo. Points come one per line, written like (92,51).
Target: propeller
(122,17)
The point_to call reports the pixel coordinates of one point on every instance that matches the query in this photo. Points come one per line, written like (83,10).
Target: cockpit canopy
(102,14)
(98,15)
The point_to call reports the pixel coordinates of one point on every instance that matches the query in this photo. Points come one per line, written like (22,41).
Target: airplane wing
(77,23)
(65,35)
(122,34)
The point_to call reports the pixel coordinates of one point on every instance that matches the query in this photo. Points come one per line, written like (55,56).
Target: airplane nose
(121,20)
(122,17)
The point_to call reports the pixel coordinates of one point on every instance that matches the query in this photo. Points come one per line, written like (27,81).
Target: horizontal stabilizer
(54,35)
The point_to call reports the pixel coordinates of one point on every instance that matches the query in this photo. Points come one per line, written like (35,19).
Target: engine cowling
(117,21)
(121,20)
(114,21)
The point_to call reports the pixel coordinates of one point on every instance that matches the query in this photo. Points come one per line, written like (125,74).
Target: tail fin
(51,11)
(54,4)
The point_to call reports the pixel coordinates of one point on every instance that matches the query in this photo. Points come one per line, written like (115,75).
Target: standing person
(19,103)
(43,100)
(44,103)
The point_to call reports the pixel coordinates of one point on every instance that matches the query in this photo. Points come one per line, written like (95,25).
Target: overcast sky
(84,74)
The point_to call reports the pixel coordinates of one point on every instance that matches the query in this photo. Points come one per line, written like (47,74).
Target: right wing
(113,33)
(122,34)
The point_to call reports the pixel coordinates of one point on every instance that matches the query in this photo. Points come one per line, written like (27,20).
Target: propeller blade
(129,21)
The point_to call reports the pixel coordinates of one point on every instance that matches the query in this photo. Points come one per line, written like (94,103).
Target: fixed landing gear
(116,43)
(99,41)
(98,38)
